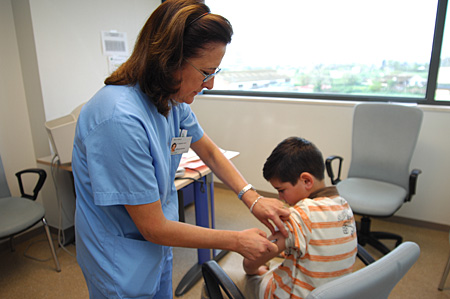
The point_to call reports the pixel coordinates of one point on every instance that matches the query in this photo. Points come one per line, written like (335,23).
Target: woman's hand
(272,209)
(252,244)
(262,270)
(266,210)
(258,266)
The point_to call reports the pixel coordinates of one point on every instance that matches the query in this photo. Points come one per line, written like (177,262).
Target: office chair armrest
(413,183)
(42,176)
(364,256)
(216,278)
(329,167)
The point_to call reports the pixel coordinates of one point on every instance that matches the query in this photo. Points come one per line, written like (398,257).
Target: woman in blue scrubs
(127,208)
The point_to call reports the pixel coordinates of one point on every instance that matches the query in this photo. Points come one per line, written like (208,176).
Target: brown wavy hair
(176,30)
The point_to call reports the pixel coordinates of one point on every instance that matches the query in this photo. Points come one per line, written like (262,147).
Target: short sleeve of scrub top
(128,153)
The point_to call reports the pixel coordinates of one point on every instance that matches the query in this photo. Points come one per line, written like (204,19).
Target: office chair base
(365,236)
(375,243)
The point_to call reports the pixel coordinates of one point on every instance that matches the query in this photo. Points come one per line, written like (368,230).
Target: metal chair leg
(50,243)
(11,244)
(444,275)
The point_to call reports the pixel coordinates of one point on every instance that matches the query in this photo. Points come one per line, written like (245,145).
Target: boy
(322,241)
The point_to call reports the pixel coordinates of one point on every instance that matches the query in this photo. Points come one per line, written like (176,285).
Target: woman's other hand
(272,211)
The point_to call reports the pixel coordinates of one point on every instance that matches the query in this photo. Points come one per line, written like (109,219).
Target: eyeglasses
(207,76)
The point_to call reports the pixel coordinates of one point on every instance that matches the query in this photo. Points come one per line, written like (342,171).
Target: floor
(22,277)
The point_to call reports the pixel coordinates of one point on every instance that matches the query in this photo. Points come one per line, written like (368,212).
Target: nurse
(127,209)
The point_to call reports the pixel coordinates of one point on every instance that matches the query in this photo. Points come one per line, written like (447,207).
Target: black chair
(379,180)
(18,214)
(216,281)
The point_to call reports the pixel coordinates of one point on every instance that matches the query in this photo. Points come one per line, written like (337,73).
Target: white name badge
(180,145)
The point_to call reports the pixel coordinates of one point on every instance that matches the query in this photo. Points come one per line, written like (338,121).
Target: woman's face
(191,72)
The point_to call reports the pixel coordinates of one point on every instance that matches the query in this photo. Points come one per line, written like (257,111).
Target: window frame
(430,89)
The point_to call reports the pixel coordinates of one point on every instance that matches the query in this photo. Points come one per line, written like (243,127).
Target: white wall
(16,147)
(68,45)
(254,126)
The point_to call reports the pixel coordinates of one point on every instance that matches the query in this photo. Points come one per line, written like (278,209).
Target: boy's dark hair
(291,157)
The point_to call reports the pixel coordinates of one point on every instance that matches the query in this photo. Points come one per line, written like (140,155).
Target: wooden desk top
(48,161)
(179,183)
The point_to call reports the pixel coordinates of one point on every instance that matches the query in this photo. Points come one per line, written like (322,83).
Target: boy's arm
(252,267)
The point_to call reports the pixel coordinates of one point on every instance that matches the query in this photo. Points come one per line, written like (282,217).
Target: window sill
(316,102)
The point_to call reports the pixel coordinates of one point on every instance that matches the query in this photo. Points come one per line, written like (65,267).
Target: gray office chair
(379,180)
(375,281)
(218,283)
(18,214)
(445,274)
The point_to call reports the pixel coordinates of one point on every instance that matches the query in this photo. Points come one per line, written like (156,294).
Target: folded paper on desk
(191,160)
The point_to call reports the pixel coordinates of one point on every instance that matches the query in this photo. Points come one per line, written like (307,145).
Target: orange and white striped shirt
(321,246)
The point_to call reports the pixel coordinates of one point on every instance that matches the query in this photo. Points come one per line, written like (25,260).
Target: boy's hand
(252,244)
(272,209)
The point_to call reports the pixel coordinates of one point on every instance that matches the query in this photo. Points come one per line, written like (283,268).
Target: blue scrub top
(121,156)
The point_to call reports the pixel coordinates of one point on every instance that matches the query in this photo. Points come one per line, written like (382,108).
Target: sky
(299,32)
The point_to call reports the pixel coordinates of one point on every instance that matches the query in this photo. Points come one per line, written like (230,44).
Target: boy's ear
(307,179)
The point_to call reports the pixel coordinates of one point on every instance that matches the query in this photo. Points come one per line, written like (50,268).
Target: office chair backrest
(377,280)
(383,141)
(4,189)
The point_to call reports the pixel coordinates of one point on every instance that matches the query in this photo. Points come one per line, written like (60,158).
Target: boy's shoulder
(330,191)
(328,196)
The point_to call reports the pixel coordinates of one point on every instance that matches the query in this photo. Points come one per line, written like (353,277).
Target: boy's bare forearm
(250,268)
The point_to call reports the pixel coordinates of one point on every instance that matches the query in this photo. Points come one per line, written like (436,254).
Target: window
(348,49)
(443,79)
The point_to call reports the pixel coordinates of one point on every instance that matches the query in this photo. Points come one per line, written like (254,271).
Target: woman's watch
(245,189)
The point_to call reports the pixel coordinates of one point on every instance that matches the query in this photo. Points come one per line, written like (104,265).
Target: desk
(48,161)
(191,184)
(204,215)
